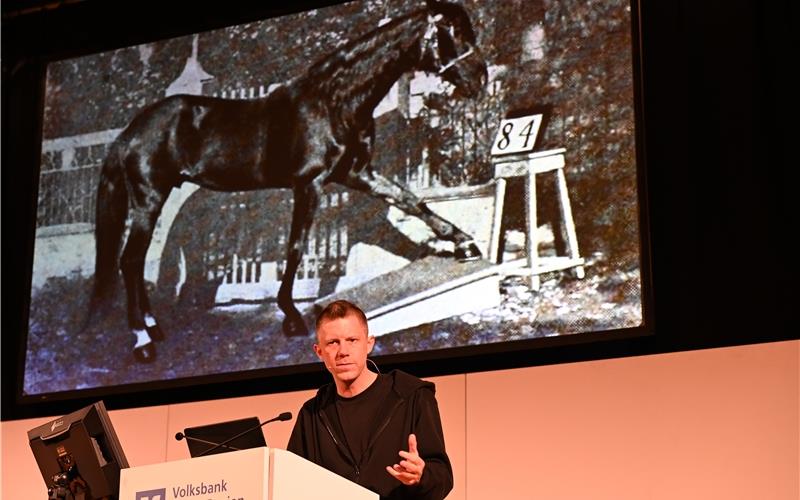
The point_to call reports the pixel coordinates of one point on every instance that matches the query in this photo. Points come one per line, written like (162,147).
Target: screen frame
(521,353)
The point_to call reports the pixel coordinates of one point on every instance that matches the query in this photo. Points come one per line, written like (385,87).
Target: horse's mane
(354,78)
(357,58)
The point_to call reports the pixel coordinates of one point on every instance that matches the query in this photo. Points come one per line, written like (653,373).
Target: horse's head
(449,48)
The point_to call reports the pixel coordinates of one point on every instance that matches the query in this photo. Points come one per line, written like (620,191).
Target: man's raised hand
(409,470)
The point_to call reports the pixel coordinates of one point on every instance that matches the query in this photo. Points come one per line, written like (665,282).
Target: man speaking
(382,431)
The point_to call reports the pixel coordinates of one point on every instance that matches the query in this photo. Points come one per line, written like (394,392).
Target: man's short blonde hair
(339,309)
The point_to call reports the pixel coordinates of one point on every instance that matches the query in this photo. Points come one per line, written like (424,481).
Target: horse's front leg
(306,200)
(400,197)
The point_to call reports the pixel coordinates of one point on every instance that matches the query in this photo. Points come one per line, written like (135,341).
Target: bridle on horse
(430,40)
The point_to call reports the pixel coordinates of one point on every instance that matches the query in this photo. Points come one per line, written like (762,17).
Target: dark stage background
(715,104)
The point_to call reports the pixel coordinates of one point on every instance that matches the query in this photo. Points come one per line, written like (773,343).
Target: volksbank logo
(152,494)
(190,490)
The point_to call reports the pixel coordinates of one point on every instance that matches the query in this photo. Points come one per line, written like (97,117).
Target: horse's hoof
(145,353)
(467,251)
(294,328)
(155,332)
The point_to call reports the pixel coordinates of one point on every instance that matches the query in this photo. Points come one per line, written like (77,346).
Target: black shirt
(409,407)
(357,415)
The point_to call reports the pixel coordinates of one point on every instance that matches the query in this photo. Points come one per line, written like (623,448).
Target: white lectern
(254,474)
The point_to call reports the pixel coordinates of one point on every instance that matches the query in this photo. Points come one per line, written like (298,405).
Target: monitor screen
(214,438)
(79,453)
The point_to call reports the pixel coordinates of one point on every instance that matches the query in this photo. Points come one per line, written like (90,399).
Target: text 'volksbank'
(191,490)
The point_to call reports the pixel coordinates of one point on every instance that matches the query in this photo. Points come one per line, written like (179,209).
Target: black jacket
(410,408)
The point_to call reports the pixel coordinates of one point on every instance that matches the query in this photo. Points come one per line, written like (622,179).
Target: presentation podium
(254,474)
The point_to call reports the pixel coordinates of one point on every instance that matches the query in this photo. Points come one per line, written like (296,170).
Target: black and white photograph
(465,171)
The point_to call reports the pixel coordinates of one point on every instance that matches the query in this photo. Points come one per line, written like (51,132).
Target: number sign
(516,135)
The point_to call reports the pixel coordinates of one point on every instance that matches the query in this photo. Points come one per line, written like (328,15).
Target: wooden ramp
(424,291)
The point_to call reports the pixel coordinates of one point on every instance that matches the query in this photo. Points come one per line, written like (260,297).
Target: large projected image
(465,172)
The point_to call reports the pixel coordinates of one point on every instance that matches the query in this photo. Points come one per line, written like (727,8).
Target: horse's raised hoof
(467,251)
(145,353)
(294,327)
(155,332)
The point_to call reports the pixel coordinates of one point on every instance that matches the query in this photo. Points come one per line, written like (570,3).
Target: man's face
(343,346)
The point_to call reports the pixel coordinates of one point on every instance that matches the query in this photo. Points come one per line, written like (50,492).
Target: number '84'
(505,140)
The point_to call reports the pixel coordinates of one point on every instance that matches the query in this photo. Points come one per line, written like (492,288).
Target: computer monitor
(79,453)
(203,439)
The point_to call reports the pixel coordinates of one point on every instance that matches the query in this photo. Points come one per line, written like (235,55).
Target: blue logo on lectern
(152,494)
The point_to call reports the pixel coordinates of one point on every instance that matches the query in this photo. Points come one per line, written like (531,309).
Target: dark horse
(312,130)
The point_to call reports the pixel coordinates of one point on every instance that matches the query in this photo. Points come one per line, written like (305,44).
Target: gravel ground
(62,355)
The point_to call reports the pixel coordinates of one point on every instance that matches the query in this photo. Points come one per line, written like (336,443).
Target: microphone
(180,436)
(374,364)
(283,416)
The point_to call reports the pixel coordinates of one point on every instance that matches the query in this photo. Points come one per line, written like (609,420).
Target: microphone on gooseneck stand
(180,436)
(283,416)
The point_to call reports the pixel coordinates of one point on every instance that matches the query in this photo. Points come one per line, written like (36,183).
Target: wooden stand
(529,165)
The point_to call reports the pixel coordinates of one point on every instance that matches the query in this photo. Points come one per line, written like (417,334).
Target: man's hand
(409,470)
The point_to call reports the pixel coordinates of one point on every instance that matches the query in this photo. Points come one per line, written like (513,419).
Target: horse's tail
(110,215)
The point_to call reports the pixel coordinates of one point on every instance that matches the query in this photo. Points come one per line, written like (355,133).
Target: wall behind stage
(710,424)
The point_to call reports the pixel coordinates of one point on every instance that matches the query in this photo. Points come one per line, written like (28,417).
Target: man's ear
(318,351)
(370,343)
